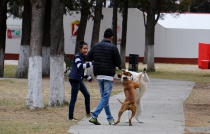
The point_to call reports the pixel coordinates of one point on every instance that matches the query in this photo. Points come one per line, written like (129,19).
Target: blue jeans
(75,87)
(105,91)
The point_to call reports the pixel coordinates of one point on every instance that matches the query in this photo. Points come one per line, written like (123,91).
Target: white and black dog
(139,91)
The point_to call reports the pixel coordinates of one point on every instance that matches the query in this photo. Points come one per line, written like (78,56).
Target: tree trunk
(124,32)
(3,27)
(23,61)
(97,22)
(151,36)
(83,24)
(35,98)
(145,53)
(104,1)
(46,41)
(146,43)
(114,22)
(57,92)
(146,47)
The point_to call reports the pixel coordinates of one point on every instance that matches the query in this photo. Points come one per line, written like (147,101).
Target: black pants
(75,87)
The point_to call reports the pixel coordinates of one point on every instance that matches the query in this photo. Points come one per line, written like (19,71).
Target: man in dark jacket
(106,58)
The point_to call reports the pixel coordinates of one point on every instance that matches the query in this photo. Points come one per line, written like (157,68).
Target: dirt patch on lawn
(197,108)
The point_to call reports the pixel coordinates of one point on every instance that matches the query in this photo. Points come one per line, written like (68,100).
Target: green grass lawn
(9,70)
(163,71)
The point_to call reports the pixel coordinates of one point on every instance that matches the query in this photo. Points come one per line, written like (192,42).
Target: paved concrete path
(163,111)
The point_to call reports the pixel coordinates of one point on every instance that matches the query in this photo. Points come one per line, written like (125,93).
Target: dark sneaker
(73,119)
(112,122)
(88,115)
(94,121)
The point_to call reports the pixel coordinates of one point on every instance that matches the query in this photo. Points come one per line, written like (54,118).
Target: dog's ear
(119,75)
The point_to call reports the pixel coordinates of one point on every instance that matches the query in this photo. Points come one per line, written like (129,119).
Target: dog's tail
(119,100)
(127,102)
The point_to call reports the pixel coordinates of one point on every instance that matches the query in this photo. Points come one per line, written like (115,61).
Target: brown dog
(139,91)
(130,96)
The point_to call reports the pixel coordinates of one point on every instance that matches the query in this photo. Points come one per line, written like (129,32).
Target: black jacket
(106,58)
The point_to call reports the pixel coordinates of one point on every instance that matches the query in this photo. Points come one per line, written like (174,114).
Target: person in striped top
(76,77)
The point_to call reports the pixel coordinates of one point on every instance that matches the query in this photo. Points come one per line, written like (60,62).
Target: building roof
(186,21)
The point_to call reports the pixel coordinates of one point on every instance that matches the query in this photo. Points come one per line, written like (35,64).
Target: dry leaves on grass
(17,118)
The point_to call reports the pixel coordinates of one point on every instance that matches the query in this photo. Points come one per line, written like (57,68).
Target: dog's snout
(125,78)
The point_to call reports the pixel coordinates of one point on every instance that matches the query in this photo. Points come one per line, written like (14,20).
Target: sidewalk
(162,114)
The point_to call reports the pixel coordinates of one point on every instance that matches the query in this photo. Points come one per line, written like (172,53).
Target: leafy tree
(85,14)
(114,21)
(15,8)
(200,6)
(3,19)
(184,5)
(71,5)
(104,3)
(152,10)
(46,40)
(35,99)
(97,22)
(23,62)
(16,5)
(123,8)
(57,92)
(124,32)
